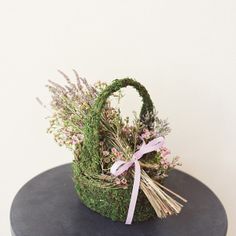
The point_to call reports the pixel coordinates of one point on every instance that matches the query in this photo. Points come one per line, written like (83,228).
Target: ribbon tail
(134,195)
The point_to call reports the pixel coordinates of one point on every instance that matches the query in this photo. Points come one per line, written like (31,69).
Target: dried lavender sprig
(58,86)
(80,87)
(67,79)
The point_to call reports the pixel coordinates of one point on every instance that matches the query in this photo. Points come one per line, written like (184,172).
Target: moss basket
(112,203)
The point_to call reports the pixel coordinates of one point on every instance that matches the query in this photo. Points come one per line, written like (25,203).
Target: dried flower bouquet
(119,166)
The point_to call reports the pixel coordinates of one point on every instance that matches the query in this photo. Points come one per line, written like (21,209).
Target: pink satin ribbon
(120,167)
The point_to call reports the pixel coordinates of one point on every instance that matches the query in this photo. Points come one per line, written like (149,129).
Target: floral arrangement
(84,120)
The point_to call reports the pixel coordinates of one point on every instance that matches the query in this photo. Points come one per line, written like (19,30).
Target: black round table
(48,206)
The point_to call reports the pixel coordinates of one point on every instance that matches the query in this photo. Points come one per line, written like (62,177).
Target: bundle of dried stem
(162,203)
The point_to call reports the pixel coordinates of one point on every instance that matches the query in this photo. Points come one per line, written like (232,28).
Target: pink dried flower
(125,129)
(119,155)
(124,181)
(117,181)
(113,150)
(105,153)
(146,134)
(106,159)
(165,167)
(162,162)
(74,139)
(167,162)
(80,137)
(165,151)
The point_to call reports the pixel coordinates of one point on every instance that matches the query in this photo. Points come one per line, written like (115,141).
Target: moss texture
(109,202)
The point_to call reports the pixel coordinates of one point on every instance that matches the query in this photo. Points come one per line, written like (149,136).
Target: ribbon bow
(120,167)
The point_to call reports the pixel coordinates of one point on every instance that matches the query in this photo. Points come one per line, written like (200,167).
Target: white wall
(183,51)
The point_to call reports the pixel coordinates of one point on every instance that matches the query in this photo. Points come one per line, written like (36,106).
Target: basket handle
(92,123)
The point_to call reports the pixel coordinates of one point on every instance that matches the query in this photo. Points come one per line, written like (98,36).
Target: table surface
(48,206)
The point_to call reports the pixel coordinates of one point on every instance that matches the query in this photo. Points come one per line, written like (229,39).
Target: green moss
(112,203)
